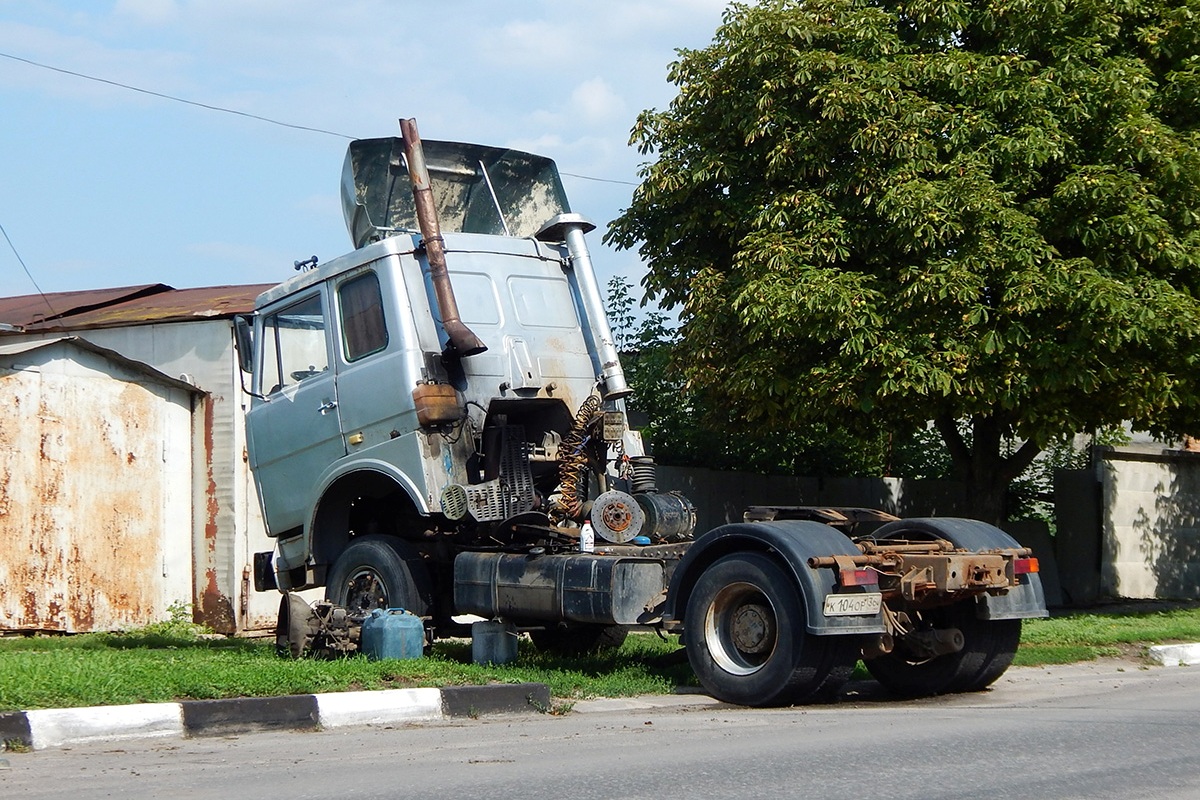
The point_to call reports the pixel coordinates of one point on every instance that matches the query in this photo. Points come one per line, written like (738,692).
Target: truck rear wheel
(988,650)
(745,635)
(373,573)
(1002,637)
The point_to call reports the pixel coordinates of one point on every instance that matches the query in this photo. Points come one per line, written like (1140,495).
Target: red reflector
(858,577)
(1023,565)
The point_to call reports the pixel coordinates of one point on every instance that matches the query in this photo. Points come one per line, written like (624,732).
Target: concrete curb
(59,727)
(1175,655)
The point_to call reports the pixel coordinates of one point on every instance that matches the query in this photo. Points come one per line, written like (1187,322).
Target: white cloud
(596,101)
(147,12)
(564,80)
(148,68)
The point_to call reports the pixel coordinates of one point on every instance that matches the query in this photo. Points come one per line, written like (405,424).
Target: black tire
(745,635)
(373,572)
(579,640)
(988,650)
(1003,636)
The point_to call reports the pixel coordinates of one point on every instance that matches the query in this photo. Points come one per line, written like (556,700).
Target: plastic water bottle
(587,538)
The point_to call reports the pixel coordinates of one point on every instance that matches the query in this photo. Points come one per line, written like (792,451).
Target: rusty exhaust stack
(463,342)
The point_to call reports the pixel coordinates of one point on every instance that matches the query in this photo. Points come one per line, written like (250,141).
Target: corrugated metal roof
(129,305)
(33,309)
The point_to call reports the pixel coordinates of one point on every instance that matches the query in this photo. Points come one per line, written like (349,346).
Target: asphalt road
(1103,730)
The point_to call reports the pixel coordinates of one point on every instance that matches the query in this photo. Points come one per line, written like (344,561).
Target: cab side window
(364,330)
(294,344)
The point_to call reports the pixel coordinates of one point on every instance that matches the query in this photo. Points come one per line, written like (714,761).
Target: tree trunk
(982,467)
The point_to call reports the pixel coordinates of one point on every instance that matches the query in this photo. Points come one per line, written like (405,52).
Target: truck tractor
(438,423)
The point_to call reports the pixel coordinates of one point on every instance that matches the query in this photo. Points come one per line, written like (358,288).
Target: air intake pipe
(463,342)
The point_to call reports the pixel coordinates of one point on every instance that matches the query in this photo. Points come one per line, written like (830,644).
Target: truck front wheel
(745,635)
(988,650)
(373,573)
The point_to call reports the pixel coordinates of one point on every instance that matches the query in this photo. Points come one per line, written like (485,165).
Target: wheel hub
(753,628)
(366,592)
(740,628)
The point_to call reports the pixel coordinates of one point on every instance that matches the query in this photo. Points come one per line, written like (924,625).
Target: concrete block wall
(1151,525)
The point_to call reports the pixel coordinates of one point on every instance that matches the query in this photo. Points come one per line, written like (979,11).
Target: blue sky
(102,186)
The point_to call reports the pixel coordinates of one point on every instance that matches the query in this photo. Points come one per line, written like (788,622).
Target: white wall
(1151,525)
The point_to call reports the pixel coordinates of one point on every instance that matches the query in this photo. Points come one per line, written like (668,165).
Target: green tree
(681,431)
(875,212)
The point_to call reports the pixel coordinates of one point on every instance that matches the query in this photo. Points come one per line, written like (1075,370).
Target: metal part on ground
(322,628)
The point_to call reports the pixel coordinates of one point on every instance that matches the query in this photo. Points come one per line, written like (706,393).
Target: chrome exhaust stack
(570,228)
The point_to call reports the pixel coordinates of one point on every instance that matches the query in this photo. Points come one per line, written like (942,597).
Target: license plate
(850,605)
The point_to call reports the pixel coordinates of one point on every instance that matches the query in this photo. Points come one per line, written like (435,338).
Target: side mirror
(243,340)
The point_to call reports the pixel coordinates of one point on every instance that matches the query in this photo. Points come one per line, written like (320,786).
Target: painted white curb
(54,727)
(338,709)
(1176,655)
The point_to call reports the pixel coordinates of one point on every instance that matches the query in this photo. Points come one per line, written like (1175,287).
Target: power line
(185,101)
(601,180)
(248,115)
(208,107)
(21,261)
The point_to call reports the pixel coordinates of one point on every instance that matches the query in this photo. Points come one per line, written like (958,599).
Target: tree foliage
(871,211)
(681,431)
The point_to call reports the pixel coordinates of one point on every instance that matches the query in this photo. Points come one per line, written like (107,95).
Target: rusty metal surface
(133,305)
(212,606)
(31,309)
(918,571)
(94,511)
(227,526)
(463,340)
(223,495)
(843,518)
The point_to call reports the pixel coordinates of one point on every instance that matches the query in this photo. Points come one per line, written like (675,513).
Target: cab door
(293,429)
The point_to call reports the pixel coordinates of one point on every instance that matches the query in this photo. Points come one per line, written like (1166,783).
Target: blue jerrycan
(392,633)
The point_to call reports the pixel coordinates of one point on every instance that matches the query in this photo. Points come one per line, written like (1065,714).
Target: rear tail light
(858,577)
(1022,566)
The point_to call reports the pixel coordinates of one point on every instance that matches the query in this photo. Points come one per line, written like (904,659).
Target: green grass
(171,661)
(149,667)
(1085,637)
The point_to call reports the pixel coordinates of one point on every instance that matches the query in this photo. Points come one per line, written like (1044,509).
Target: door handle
(327,406)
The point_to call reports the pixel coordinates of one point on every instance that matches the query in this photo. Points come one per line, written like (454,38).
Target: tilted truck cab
(438,423)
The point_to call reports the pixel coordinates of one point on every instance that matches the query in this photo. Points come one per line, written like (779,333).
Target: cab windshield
(476,189)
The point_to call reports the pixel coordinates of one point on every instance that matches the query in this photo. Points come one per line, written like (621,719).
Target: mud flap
(790,542)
